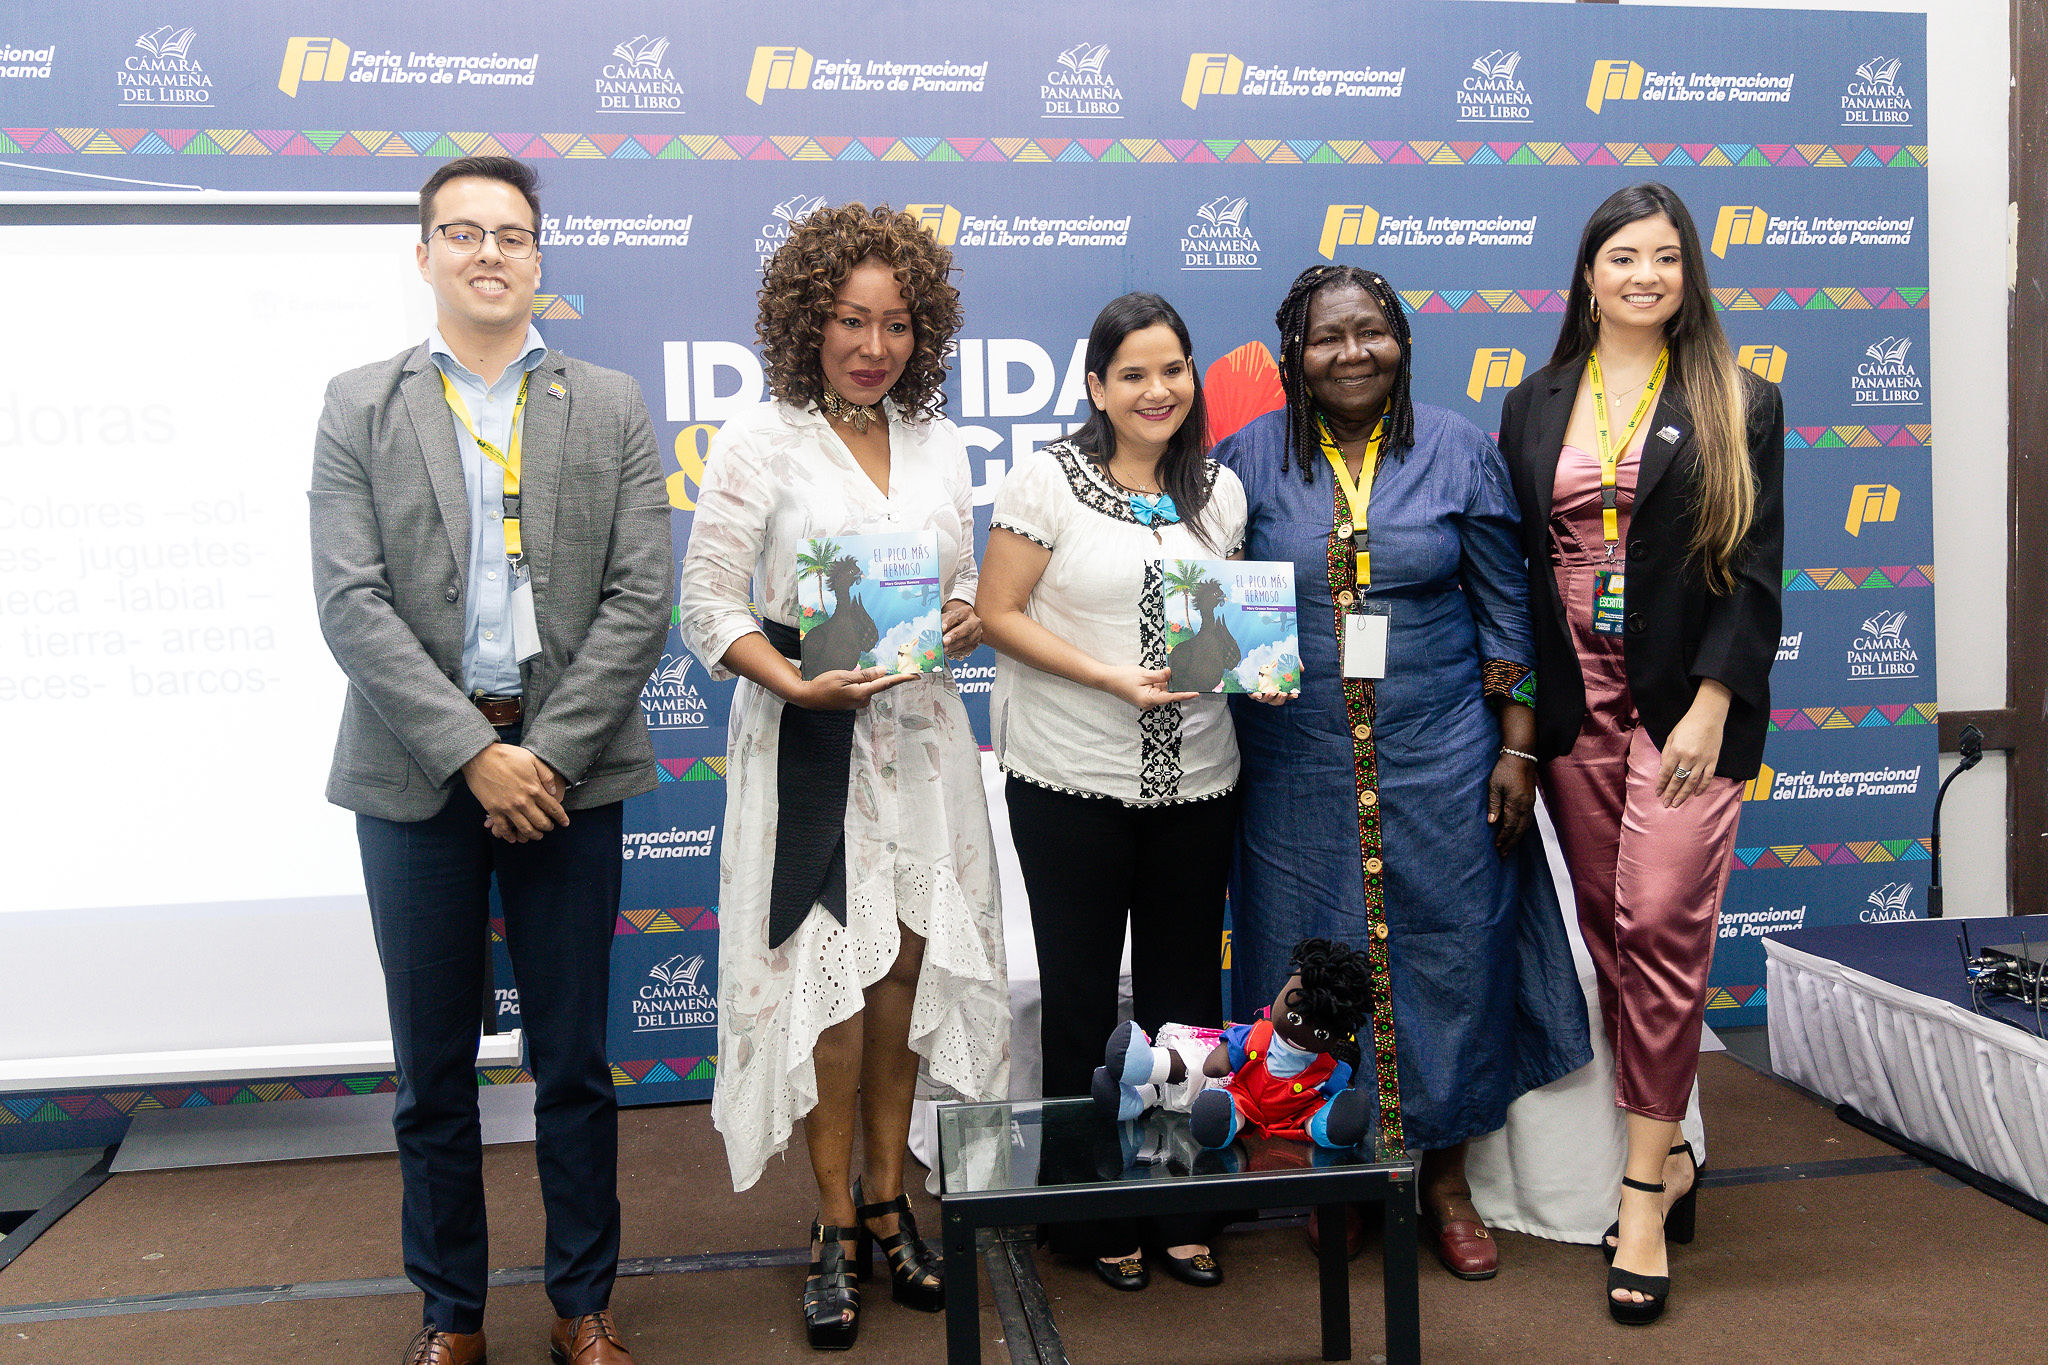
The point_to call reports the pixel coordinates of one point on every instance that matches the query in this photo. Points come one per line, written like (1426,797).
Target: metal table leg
(963,1291)
(1336,1281)
(1404,1310)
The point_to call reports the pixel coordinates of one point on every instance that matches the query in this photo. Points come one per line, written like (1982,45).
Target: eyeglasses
(466,239)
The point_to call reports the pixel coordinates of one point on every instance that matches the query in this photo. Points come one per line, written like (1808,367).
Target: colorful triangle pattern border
(1042,150)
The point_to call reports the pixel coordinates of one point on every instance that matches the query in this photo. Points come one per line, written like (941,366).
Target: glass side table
(1041,1161)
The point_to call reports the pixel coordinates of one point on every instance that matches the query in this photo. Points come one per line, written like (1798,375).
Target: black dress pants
(1090,865)
(429,887)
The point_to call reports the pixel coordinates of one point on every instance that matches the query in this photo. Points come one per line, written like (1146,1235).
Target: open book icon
(1497,64)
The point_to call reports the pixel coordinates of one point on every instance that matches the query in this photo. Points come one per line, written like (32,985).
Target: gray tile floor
(30,1180)
(1750,1045)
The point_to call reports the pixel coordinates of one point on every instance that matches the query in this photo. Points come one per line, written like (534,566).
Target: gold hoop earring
(1595,305)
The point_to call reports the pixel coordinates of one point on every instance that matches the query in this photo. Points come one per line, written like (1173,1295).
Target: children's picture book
(870,601)
(1230,626)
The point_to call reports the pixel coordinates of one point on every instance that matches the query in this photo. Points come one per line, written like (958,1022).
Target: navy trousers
(429,886)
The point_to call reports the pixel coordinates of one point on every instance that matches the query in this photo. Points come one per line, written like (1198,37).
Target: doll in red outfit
(1290,1075)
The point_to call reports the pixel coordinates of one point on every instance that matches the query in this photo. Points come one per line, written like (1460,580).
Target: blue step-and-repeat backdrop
(1068,153)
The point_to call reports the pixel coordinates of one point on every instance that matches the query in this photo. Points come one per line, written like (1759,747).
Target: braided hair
(1304,441)
(1335,990)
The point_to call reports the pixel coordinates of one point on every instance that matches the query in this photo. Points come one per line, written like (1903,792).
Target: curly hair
(802,280)
(1303,433)
(1336,991)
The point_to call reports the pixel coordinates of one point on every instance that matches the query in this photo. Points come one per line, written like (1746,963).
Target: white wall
(1968,76)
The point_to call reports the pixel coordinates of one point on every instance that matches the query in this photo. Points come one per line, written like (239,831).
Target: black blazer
(1677,632)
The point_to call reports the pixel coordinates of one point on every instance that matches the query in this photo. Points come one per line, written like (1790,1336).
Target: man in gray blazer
(493,570)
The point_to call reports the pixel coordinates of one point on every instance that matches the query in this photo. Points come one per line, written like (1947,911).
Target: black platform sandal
(916,1279)
(1657,1288)
(1680,1221)
(830,1293)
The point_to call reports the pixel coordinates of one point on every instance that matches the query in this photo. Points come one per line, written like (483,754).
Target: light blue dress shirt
(488,664)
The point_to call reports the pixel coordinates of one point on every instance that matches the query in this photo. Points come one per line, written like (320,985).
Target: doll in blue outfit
(1289,1075)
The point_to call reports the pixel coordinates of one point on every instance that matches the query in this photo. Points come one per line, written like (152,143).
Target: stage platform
(1880,1017)
(1816,1242)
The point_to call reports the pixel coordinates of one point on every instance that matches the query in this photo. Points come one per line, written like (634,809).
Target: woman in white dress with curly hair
(860,936)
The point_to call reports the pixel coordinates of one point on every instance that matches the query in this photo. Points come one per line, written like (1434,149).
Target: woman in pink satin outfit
(1649,470)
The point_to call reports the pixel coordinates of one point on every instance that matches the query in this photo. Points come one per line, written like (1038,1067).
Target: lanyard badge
(1357,497)
(507,460)
(1607,600)
(525,620)
(1364,641)
(1609,583)
(1611,447)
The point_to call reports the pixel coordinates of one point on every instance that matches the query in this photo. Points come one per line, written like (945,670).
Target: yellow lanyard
(507,460)
(1357,495)
(1611,450)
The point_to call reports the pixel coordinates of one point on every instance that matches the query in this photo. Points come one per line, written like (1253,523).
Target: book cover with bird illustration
(1230,626)
(869,602)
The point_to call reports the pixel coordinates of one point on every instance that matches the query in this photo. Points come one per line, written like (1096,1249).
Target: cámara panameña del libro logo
(1882,651)
(1079,85)
(1885,376)
(784,216)
(163,70)
(673,997)
(638,78)
(1491,92)
(1874,98)
(668,698)
(1216,237)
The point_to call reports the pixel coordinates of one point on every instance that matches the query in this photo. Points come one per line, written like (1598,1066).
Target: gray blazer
(390,523)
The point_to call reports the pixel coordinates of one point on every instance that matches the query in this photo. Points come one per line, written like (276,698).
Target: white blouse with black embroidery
(1103,592)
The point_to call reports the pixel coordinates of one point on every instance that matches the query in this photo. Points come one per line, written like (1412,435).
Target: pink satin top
(1575,502)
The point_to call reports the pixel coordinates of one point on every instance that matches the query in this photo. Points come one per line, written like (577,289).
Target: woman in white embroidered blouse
(885,966)
(1121,790)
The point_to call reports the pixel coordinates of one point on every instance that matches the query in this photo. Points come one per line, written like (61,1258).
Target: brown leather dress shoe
(430,1346)
(1354,1232)
(1464,1245)
(592,1339)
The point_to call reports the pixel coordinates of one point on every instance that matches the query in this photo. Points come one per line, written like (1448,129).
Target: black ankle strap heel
(829,1293)
(916,1277)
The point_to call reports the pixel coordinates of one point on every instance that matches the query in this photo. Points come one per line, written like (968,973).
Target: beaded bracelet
(1517,753)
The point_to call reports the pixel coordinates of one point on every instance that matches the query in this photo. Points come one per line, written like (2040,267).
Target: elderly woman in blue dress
(1387,806)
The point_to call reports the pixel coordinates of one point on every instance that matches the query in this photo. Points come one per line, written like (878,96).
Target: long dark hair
(1304,442)
(1183,469)
(1701,366)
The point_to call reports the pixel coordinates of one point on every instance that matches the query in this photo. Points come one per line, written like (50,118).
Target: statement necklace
(853,414)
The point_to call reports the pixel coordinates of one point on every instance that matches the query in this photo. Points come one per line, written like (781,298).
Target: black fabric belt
(813,758)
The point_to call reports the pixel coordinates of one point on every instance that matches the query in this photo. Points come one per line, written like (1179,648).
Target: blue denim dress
(1486,1002)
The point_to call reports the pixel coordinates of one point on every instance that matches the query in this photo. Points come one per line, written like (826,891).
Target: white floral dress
(918,845)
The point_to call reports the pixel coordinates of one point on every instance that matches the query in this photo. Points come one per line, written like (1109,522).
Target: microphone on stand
(1970,747)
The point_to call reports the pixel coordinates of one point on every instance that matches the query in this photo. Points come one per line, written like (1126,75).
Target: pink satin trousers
(1648,880)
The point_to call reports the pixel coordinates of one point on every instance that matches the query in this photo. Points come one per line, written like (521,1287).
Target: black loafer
(1200,1270)
(1128,1274)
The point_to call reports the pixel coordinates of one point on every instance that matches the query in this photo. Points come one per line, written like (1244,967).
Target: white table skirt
(1972,1088)
(1554,1171)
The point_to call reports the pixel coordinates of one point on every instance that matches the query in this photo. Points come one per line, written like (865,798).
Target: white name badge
(1365,642)
(525,628)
